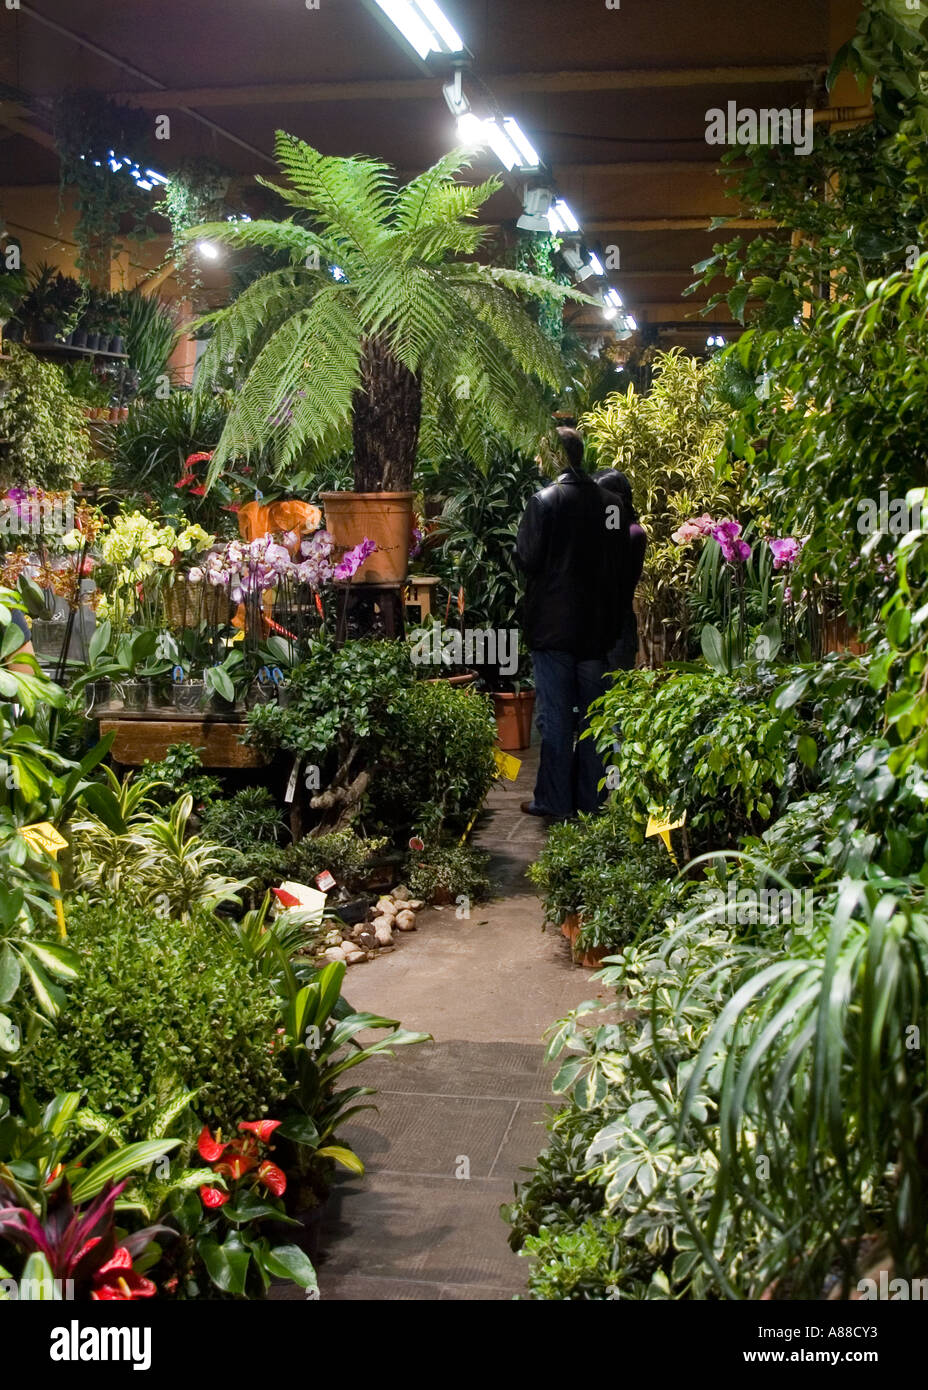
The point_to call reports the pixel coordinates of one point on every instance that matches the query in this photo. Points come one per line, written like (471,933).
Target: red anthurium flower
(236,1167)
(116,1281)
(198,491)
(186,480)
(261,1129)
(273,1177)
(194,459)
(209,1148)
(213,1197)
(416,843)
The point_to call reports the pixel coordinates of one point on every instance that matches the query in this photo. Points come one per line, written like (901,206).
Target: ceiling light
(561,219)
(536,203)
(423,25)
(528,155)
(208,250)
(631,323)
(613,298)
(471,131)
(596,265)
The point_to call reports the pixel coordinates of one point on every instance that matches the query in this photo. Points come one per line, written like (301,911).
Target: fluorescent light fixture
(423,25)
(596,264)
(631,323)
(471,130)
(561,219)
(536,203)
(529,157)
(613,298)
(208,250)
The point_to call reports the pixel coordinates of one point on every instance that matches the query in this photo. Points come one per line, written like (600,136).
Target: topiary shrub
(157,1005)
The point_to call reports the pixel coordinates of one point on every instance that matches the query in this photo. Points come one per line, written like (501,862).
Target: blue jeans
(570,769)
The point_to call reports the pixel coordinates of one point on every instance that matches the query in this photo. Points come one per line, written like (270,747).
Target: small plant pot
(97,695)
(261,693)
(46,333)
(225,708)
(117,345)
(514,715)
(48,638)
(283,696)
(93,342)
(187,696)
(79,338)
(136,696)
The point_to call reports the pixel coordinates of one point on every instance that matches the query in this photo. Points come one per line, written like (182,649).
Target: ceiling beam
(17,120)
(677,224)
(416,89)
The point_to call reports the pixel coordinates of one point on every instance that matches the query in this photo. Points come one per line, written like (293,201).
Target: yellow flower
(162,556)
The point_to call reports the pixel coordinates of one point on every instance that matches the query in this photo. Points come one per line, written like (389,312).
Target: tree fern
(411,333)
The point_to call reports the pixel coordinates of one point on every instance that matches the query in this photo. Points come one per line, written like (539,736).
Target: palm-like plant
(393,325)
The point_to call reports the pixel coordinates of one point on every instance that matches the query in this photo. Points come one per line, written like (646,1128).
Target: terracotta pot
(514,719)
(383,517)
(590,960)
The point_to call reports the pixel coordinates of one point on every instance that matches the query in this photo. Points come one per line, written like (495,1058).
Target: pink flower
(694,528)
(352,562)
(785,552)
(728,535)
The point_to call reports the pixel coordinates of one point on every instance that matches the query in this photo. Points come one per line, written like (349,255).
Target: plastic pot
(514,715)
(187,696)
(383,517)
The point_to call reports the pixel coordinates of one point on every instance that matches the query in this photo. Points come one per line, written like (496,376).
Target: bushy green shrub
(592,866)
(159,1004)
(437,765)
(448,872)
(705,744)
(49,441)
(251,817)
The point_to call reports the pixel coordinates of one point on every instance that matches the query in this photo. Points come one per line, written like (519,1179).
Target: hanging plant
(195,194)
(91,133)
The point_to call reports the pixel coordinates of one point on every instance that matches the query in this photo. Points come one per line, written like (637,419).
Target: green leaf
(119,1165)
(10,974)
(290,1262)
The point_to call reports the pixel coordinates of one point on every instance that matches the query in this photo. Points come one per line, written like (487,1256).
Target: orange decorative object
(256,520)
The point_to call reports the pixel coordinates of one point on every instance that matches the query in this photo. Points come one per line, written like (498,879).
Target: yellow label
(660,825)
(509,767)
(44,836)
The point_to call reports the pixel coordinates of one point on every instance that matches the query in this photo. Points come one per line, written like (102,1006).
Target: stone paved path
(475,1098)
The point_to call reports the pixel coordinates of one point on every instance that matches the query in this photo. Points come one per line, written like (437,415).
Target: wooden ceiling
(614,99)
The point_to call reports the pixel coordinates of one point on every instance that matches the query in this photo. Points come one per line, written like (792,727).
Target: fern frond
(350,198)
(414,204)
(240,331)
(277,236)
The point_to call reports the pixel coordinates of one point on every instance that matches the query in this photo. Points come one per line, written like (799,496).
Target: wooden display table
(149,735)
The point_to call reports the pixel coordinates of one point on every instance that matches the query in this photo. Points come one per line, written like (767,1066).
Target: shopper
(571,562)
(632,548)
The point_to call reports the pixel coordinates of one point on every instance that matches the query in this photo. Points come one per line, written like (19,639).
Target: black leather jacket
(571,562)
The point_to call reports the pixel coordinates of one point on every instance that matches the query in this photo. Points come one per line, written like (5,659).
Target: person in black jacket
(570,559)
(633,545)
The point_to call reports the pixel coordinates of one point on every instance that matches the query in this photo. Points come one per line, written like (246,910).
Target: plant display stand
(149,735)
(366,610)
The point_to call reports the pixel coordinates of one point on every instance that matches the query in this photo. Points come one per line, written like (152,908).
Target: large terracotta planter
(590,960)
(383,517)
(514,719)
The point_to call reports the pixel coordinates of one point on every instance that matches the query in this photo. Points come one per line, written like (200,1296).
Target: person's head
(572,445)
(614,481)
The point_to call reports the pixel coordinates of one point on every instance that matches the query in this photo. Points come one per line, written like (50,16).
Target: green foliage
(670,445)
(159,435)
(49,443)
(705,744)
(592,866)
(437,765)
(179,771)
(250,816)
(404,283)
(446,873)
(158,1004)
(150,333)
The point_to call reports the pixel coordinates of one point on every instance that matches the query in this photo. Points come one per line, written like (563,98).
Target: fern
(303,344)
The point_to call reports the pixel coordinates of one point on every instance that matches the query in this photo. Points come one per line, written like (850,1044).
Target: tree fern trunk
(387,413)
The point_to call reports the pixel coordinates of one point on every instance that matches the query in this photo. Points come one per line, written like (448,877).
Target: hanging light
(208,250)
(561,219)
(536,206)
(423,25)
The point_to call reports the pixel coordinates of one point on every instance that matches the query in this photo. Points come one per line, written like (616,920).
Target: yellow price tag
(658,824)
(508,766)
(45,838)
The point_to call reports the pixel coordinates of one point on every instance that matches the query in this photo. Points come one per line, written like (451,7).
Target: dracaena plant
(397,318)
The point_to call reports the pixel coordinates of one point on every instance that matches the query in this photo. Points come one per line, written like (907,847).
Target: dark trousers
(624,654)
(570,769)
